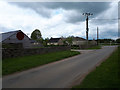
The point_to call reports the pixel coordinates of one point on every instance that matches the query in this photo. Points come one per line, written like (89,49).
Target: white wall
(13,39)
(79,42)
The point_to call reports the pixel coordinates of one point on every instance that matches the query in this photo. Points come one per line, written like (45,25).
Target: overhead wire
(104,19)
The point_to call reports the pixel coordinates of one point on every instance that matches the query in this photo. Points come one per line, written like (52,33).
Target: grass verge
(95,47)
(12,65)
(105,76)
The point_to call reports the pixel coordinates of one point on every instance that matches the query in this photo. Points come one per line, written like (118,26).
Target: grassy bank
(105,76)
(22,63)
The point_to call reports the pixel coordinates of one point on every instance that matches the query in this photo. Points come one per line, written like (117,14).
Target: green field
(104,76)
(12,65)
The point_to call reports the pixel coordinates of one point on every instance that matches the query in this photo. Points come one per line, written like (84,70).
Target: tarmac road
(60,74)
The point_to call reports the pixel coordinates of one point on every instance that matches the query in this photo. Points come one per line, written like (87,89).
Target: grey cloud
(44,12)
(105,34)
(80,7)
(37,7)
(74,17)
(95,8)
(103,21)
(84,6)
(119,10)
(110,34)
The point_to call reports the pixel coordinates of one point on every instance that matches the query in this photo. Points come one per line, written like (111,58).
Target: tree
(45,41)
(118,40)
(68,40)
(36,35)
(106,40)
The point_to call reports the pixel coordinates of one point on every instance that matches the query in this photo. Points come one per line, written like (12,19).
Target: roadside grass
(107,45)
(105,76)
(94,47)
(112,44)
(12,65)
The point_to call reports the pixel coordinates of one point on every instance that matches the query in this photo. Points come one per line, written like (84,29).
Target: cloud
(108,22)
(59,19)
(108,16)
(75,9)
(35,6)
(84,6)
(15,18)
(105,31)
(3,29)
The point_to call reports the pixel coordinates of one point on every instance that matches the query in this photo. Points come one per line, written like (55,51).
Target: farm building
(60,41)
(56,41)
(78,41)
(17,39)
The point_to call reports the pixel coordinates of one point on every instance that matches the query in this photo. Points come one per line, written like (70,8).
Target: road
(60,74)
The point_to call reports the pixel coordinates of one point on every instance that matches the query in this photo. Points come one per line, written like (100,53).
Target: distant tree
(118,40)
(45,41)
(68,40)
(106,40)
(65,42)
(36,35)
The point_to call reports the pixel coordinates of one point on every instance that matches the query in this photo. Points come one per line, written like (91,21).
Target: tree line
(36,35)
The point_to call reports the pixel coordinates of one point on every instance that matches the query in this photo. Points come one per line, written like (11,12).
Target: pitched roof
(78,38)
(53,40)
(6,35)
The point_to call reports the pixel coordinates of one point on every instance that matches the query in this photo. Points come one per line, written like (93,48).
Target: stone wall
(12,45)
(10,53)
(86,46)
(82,46)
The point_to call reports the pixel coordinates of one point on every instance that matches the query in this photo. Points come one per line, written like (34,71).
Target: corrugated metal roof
(7,35)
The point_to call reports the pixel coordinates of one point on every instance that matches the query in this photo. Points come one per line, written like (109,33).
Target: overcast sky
(56,19)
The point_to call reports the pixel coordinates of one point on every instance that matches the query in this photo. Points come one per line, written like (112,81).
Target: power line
(104,19)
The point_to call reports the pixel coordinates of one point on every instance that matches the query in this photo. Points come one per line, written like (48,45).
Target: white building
(78,41)
(16,37)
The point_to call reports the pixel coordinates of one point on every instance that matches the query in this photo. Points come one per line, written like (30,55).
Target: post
(87,29)
(97,35)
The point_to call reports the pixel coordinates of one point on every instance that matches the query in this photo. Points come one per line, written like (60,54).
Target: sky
(57,19)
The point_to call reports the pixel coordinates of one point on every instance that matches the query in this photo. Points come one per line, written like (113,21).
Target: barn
(16,38)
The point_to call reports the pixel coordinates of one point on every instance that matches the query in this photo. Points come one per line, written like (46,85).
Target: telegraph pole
(97,35)
(87,29)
